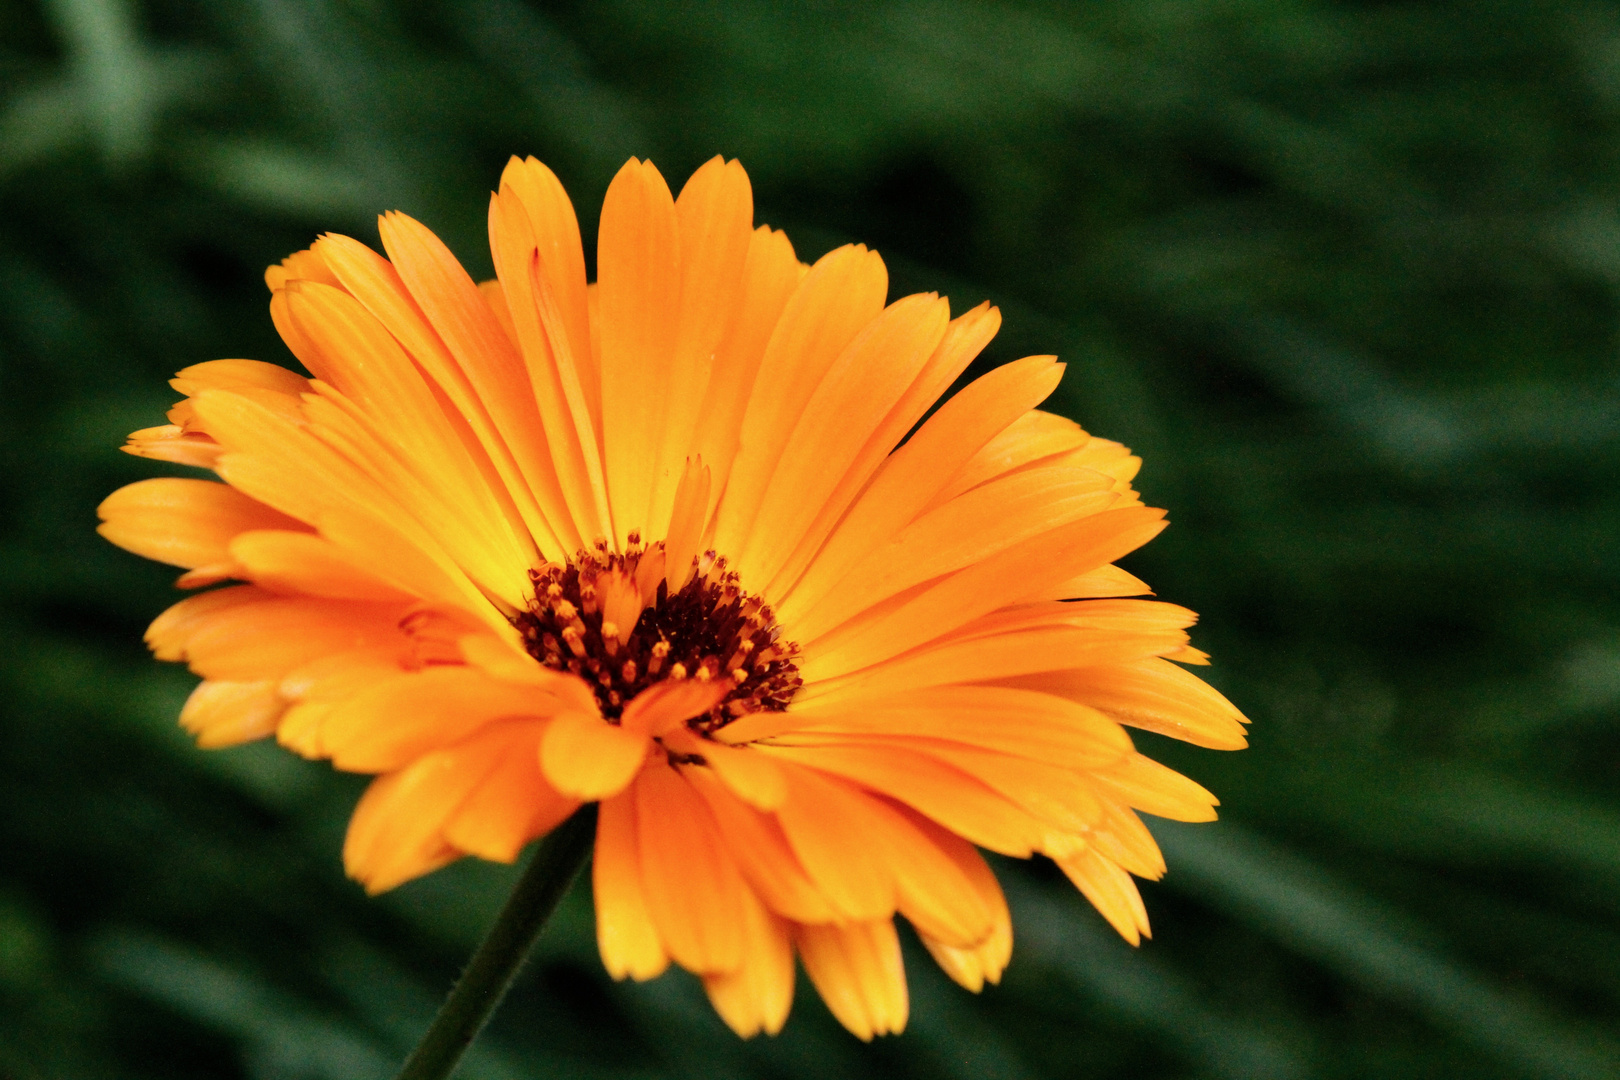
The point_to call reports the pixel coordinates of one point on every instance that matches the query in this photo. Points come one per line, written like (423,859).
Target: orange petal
(936,894)
(1106,459)
(770,275)
(964,338)
(393,426)
(858,971)
(398,829)
(907,479)
(227,713)
(715,213)
(763,853)
(1146,785)
(1044,727)
(829,434)
(172,443)
(843,292)
(299,266)
(1006,577)
(244,633)
(302,728)
(1106,456)
(625,933)
(513,804)
(562,373)
(1122,615)
(820,817)
(964,658)
(504,659)
(983,962)
(621,602)
(1115,616)
(183,522)
(955,535)
(1107,580)
(1110,890)
(555,229)
(495,297)
(1097,632)
(756,778)
(374,282)
(453,306)
(964,532)
(1189,655)
(300,562)
(183,440)
(394,833)
(340,675)
(588,758)
(1034,437)
(638,275)
(1153,695)
(274,386)
(693,886)
(1060,796)
(757,996)
(961,803)
(391,723)
(279,462)
(667,705)
(1122,838)
(688,524)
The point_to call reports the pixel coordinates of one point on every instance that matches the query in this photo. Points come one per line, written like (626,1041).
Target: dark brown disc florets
(708,629)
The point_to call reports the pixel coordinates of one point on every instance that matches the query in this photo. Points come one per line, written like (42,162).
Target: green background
(1347,275)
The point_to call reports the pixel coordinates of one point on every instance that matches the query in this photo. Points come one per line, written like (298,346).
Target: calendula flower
(681,543)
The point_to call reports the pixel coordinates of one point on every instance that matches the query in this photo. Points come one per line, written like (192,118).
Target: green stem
(493,967)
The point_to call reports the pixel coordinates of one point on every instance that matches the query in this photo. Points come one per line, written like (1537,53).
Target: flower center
(613,620)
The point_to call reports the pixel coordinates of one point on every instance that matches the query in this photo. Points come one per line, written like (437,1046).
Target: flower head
(662,542)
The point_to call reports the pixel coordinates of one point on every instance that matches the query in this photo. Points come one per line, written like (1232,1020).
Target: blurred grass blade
(120,86)
(284,179)
(1354,390)
(951,1029)
(113,71)
(401,1007)
(1287,897)
(1455,812)
(1060,932)
(284,1039)
(40,122)
(580,111)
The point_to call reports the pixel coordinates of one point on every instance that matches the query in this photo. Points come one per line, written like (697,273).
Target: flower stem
(490,973)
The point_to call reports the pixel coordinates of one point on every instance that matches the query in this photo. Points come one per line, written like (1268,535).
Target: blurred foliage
(1348,275)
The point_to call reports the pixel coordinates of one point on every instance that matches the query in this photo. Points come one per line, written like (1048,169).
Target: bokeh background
(1346,274)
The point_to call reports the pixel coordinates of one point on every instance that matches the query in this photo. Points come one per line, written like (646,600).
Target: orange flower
(650,542)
